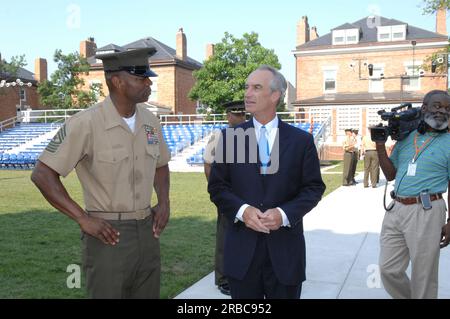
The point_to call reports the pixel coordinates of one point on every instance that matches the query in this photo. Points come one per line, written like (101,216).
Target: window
(349,36)
(329,79)
(99,87)
(392,33)
(413,82)
(23,94)
(376,83)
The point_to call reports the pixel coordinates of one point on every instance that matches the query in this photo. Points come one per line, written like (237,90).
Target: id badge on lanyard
(412,169)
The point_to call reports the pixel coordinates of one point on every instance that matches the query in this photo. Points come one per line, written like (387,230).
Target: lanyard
(419,149)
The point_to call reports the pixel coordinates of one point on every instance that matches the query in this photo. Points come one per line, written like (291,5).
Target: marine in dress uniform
(119,155)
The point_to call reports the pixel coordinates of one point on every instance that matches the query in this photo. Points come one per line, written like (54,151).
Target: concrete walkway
(342,244)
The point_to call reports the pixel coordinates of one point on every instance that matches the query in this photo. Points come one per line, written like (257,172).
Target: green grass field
(37,243)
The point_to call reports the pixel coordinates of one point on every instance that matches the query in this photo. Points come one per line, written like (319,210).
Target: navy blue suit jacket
(296,188)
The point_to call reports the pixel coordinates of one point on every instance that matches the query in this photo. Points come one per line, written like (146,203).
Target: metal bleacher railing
(24,137)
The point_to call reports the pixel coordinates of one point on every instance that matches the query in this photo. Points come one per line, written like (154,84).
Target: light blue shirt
(271,131)
(433,164)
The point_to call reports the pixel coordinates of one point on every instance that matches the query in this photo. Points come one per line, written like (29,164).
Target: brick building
(14,97)
(358,68)
(173,66)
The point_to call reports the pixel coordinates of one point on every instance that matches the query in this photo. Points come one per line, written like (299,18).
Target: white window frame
(390,31)
(97,95)
(345,34)
(23,94)
(409,66)
(333,69)
(377,77)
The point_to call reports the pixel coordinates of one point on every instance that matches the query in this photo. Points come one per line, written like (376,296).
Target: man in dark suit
(266,179)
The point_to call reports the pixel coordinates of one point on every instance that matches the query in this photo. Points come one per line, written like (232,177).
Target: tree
(222,78)
(431,6)
(10,69)
(65,89)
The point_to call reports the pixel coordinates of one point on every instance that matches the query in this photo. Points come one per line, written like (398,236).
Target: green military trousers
(129,270)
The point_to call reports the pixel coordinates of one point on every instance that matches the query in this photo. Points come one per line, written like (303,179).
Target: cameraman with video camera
(414,227)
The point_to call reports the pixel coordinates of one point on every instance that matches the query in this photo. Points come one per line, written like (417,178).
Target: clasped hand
(270,220)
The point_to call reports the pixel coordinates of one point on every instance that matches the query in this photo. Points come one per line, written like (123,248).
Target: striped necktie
(263,146)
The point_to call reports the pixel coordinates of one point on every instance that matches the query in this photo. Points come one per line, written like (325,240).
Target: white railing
(290,117)
(9,123)
(46,116)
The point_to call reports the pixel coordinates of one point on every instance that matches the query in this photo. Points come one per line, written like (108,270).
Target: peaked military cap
(134,62)
(235,107)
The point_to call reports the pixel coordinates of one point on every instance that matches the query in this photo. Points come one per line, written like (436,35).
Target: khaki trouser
(371,167)
(222,223)
(348,163)
(130,269)
(410,233)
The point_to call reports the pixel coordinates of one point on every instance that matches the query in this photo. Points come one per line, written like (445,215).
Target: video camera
(400,124)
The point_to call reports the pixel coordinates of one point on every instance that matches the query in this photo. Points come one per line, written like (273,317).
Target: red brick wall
(184,83)
(166,86)
(9,100)
(310,72)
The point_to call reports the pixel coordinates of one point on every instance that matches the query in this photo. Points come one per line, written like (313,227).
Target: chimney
(441,21)
(302,31)
(313,34)
(209,51)
(88,48)
(181,45)
(40,70)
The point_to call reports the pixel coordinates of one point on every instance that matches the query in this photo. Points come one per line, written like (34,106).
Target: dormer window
(392,33)
(346,36)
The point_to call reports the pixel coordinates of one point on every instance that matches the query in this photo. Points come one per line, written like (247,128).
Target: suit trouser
(410,233)
(260,281)
(130,269)
(348,160)
(222,223)
(371,167)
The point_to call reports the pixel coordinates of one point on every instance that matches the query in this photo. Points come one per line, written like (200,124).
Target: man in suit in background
(235,115)
(264,183)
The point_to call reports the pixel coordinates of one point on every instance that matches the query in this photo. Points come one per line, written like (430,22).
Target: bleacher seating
(14,138)
(197,158)
(178,138)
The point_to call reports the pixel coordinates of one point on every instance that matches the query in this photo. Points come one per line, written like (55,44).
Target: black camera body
(400,123)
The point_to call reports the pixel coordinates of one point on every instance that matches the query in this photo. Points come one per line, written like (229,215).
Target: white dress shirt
(271,131)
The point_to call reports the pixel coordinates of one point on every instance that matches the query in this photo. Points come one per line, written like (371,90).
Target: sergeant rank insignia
(152,135)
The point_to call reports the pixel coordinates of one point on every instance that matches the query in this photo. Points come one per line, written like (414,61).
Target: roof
(22,74)
(369,33)
(164,52)
(361,98)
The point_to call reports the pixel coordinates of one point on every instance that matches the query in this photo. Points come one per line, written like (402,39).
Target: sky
(38,28)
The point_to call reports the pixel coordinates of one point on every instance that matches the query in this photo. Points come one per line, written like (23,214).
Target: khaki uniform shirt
(349,144)
(116,167)
(368,144)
